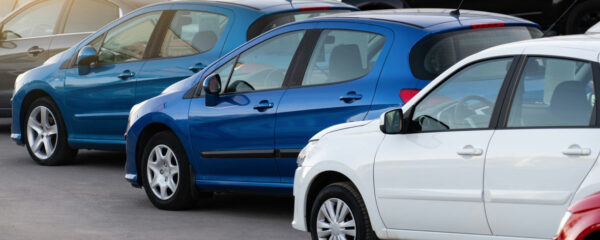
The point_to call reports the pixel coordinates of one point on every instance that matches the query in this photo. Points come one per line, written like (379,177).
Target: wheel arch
(317,184)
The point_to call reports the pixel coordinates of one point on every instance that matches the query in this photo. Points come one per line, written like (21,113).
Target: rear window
(433,55)
(269,22)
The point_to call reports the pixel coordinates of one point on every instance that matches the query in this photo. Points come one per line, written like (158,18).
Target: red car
(582,220)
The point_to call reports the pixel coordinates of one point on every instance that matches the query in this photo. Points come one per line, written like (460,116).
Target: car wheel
(340,213)
(166,173)
(583,16)
(46,135)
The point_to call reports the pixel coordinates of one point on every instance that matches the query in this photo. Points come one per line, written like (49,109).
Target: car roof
(431,18)
(276,5)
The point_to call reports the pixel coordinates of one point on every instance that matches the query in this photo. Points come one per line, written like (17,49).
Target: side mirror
(87,55)
(212,88)
(392,122)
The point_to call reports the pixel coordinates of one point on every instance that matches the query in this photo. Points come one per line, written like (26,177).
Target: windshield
(269,22)
(433,55)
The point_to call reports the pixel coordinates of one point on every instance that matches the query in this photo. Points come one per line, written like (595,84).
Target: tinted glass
(342,55)
(127,42)
(269,22)
(7,7)
(264,66)
(37,20)
(90,15)
(553,93)
(433,55)
(464,101)
(224,72)
(192,32)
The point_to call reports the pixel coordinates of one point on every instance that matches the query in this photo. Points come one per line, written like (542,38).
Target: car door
(336,85)
(550,141)
(234,140)
(84,18)
(431,178)
(103,97)
(189,41)
(24,42)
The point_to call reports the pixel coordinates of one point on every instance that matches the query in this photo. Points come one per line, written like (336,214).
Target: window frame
(498,105)
(504,115)
(57,27)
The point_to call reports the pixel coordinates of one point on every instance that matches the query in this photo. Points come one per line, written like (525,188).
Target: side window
(224,72)
(192,32)
(37,20)
(553,93)
(342,55)
(90,15)
(264,66)
(127,42)
(464,101)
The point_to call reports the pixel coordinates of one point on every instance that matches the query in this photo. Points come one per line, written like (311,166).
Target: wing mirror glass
(392,122)
(212,88)
(87,55)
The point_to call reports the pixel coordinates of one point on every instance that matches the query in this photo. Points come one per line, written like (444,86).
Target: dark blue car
(81,98)
(240,124)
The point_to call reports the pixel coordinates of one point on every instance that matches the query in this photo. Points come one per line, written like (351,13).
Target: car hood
(339,127)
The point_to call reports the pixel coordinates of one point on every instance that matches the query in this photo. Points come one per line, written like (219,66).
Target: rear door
(550,141)
(334,83)
(24,43)
(187,42)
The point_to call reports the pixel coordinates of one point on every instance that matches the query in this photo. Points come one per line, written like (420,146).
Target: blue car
(240,123)
(81,98)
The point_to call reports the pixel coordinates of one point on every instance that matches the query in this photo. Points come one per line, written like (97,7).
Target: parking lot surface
(90,200)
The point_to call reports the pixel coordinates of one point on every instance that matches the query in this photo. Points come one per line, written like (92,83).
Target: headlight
(305,152)
(563,221)
(132,115)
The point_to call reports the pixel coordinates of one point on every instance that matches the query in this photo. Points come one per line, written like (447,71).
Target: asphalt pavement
(90,199)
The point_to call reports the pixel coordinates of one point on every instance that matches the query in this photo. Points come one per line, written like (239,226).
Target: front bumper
(301,185)
(131,168)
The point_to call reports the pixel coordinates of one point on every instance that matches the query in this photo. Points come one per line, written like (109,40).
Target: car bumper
(131,168)
(301,184)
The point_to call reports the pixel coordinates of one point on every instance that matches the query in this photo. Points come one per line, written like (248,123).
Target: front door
(337,86)
(98,103)
(538,160)
(234,140)
(24,43)
(431,178)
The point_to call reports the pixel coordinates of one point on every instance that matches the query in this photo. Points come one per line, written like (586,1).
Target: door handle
(35,50)
(263,105)
(126,75)
(576,150)
(469,150)
(197,67)
(351,97)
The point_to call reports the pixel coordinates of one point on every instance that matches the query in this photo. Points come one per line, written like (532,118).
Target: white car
(496,147)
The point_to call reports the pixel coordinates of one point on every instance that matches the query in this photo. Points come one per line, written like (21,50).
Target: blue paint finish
(96,106)
(297,113)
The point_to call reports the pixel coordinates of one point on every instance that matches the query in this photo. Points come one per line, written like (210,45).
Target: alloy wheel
(42,132)
(163,172)
(335,221)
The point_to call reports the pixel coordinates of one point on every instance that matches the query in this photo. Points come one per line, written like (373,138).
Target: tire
(46,134)
(166,173)
(583,16)
(340,194)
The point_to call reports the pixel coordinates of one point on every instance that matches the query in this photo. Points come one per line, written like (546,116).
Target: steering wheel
(463,111)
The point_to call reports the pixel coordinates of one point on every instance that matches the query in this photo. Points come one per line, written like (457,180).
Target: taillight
(314,8)
(488,25)
(407,94)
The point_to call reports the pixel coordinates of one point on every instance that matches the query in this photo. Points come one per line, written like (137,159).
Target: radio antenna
(457,11)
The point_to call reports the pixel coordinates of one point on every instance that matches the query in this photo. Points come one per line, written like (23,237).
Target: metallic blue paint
(298,112)
(95,106)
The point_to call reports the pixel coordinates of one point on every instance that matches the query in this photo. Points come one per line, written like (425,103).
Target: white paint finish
(419,235)
(529,181)
(422,183)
